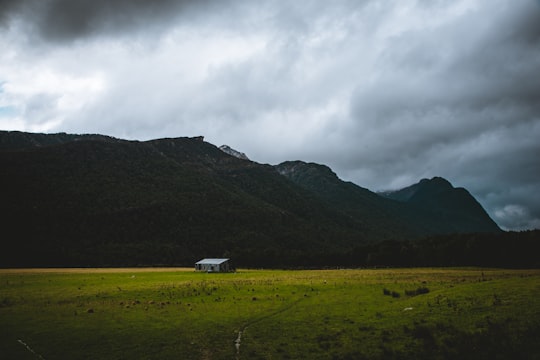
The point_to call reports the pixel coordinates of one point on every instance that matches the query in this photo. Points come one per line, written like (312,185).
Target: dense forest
(505,249)
(93,200)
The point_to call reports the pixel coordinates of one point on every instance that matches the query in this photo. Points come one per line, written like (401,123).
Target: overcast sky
(384,92)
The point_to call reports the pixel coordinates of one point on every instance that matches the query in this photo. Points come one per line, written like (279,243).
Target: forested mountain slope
(93,200)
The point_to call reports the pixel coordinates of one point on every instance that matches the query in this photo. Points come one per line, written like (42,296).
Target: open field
(269,314)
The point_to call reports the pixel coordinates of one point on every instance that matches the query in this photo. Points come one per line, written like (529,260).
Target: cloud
(384,93)
(459,102)
(69,20)
(516,216)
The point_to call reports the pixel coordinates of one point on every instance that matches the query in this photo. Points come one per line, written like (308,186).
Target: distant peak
(436,181)
(436,184)
(228,150)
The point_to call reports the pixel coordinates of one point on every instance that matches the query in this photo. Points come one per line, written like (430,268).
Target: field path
(242,330)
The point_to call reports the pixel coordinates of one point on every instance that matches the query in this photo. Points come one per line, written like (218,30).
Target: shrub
(394,294)
(418,291)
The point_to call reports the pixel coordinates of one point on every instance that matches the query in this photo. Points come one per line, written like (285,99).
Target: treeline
(506,249)
(503,250)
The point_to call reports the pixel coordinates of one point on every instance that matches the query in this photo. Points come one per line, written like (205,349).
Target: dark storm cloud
(67,20)
(8,8)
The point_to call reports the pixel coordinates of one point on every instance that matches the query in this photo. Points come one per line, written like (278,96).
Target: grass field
(270,314)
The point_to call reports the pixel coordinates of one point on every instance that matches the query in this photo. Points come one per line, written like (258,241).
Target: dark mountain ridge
(16,140)
(93,200)
(441,201)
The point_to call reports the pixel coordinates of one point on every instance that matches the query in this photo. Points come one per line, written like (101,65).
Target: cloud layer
(384,93)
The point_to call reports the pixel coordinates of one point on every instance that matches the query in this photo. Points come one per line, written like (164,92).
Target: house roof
(212,261)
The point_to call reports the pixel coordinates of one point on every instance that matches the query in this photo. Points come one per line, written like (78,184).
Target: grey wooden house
(213,265)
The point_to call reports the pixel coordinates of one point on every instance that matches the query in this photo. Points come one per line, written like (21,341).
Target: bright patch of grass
(317,314)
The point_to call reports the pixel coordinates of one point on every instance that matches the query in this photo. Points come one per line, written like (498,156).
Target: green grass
(317,314)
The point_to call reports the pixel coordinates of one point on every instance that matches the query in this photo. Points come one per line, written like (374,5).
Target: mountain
(429,207)
(93,200)
(227,149)
(169,201)
(376,217)
(443,202)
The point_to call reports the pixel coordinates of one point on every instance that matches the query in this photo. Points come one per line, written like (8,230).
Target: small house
(213,265)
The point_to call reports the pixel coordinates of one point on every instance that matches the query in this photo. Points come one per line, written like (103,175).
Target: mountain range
(94,200)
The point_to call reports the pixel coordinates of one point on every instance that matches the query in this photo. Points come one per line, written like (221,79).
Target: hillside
(442,202)
(430,207)
(92,200)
